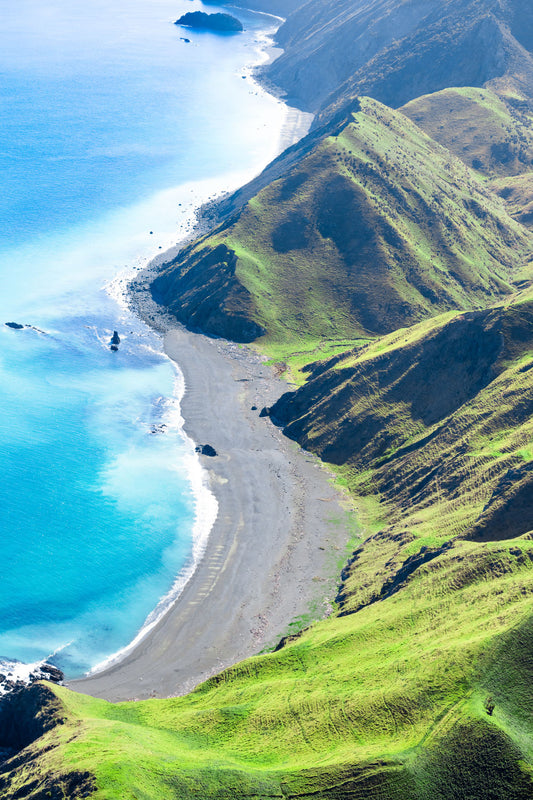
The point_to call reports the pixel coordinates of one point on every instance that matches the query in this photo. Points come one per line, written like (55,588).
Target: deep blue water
(112,128)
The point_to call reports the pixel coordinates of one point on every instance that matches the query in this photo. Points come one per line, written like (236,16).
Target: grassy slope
(431,425)
(385,703)
(376,228)
(435,420)
(385,699)
(517,192)
(489,133)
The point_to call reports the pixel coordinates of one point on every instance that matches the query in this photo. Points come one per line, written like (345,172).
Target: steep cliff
(397,50)
(376,227)
(435,420)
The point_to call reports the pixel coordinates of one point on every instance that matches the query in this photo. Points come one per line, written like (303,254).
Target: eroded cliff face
(436,417)
(395,51)
(26,716)
(201,290)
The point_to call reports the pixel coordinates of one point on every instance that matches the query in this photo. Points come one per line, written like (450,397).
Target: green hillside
(435,421)
(390,697)
(400,266)
(517,193)
(388,702)
(489,133)
(377,227)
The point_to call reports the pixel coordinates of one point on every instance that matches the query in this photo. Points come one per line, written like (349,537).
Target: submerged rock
(211,22)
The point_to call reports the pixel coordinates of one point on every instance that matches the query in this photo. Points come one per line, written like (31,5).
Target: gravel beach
(275,550)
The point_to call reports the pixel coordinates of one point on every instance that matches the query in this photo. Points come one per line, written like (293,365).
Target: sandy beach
(280,538)
(277,546)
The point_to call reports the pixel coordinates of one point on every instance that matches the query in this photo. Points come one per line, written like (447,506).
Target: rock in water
(212,22)
(115,339)
(51,673)
(15,325)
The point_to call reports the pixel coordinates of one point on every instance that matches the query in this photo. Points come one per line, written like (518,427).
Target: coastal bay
(277,546)
(89,556)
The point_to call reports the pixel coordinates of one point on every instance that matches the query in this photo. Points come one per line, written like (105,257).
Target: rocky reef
(223,23)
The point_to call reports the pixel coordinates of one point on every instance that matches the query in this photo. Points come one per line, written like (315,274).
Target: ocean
(113,130)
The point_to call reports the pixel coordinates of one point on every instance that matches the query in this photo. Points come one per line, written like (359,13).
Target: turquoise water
(112,129)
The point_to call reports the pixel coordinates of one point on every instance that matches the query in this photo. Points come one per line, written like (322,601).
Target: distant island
(210,22)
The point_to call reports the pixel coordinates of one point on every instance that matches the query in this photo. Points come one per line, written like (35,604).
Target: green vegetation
(389,696)
(387,702)
(491,134)
(517,192)
(383,275)
(378,227)
(434,420)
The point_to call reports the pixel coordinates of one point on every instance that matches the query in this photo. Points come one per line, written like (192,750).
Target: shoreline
(276,510)
(274,551)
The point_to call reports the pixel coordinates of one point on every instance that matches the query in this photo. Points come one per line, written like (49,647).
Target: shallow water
(113,128)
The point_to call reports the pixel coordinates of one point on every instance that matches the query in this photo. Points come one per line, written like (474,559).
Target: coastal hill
(409,416)
(377,227)
(384,262)
(396,51)
(491,134)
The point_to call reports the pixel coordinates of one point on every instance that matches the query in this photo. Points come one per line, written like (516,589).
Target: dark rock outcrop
(115,339)
(206,450)
(27,714)
(15,325)
(9,682)
(51,673)
(221,23)
(200,288)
